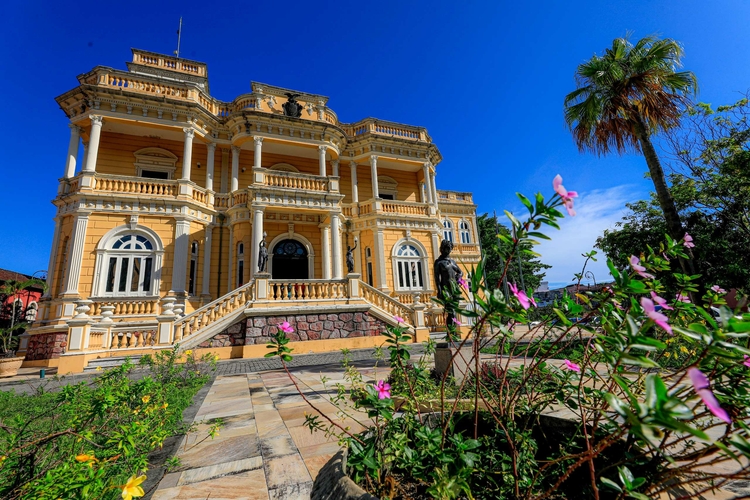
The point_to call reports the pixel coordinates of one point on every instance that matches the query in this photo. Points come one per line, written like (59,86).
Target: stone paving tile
(250,485)
(219,450)
(291,491)
(286,470)
(218,470)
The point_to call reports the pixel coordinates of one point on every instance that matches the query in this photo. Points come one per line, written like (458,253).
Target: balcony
(395,208)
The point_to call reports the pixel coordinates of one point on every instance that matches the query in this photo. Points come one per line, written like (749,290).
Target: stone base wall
(258,330)
(46,346)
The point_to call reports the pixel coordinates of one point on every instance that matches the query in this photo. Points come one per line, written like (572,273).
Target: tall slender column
(335,167)
(96,132)
(322,149)
(336,247)
(70,161)
(326,257)
(76,253)
(257,238)
(435,244)
(355,187)
(211,148)
(224,170)
(51,271)
(379,249)
(187,153)
(258,141)
(232,246)
(374,175)
(434,188)
(207,261)
(235,168)
(181,251)
(428,184)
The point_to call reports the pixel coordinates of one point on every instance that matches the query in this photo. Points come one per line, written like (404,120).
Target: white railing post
(354,290)
(79,327)
(106,323)
(261,286)
(166,321)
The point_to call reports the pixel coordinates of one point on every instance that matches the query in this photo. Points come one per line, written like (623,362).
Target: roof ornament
(292,107)
(179,35)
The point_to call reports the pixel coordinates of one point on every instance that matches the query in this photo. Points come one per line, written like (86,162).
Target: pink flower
(688,241)
(718,289)
(286,327)
(456,322)
(638,268)
(701,386)
(565,195)
(661,302)
(399,319)
(464,284)
(747,361)
(683,298)
(659,318)
(572,366)
(384,389)
(521,296)
(664,254)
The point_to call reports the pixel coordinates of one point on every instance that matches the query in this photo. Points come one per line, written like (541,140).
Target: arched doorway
(289,261)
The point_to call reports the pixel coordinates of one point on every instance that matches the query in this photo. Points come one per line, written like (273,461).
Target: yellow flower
(132,488)
(188,352)
(164,406)
(98,368)
(667,355)
(683,349)
(89,459)
(146,398)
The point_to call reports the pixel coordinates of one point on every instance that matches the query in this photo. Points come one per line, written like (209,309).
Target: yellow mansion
(162,221)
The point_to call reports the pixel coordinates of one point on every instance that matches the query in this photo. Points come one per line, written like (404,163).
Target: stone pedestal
(462,364)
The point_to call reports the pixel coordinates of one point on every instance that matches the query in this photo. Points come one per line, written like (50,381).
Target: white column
(76,253)
(336,247)
(181,250)
(257,238)
(211,147)
(258,152)
(51,271)
(187,153)
(335,167)
(70,161)
(96,132)
(322,149)
(428,184)
(326,258)
(235,168)
(374,175)
(434,188)
(476,239)
(232,246)
(224,170)
(379,249)
(207,261)
(435,245)
(355,188)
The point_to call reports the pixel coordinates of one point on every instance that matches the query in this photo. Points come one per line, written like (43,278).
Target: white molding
(301,239)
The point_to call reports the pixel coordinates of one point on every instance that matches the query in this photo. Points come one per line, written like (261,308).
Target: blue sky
(487,79)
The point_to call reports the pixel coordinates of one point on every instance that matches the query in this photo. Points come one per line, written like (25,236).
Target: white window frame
(155,159)
(410,272)
(105,252)
(464,231)
(448,230)
(388,185)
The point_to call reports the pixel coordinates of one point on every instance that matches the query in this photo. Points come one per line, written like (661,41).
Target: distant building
(26,301)
(544,296)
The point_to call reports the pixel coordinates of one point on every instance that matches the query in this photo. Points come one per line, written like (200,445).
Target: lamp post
(591,276)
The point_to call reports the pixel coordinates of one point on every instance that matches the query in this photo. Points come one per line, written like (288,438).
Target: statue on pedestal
(350,257)
(262,255)
(447,274)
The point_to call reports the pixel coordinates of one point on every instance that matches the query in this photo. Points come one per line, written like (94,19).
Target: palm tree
(626,96)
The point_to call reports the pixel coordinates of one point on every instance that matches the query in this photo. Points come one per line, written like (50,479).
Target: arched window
(409,267)
(368,260)
(464,231)
(31,311)
(128,262)
(240,264)
(448,230)
(192,279)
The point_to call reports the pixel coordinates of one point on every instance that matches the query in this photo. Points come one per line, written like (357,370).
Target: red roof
(6,275)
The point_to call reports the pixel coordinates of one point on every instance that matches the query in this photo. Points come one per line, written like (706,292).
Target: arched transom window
(448,230)
(130,266)
(465,232)
(409,267)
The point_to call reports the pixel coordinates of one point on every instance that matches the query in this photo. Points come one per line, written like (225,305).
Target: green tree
(12,289)
(532,267)
(624,97)
(710,177)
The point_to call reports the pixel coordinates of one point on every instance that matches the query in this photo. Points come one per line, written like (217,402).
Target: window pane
(400,274)
(420,275)
(123,274)
(191,281)
(111,275)
(240,272)
(147,274)
(134,280)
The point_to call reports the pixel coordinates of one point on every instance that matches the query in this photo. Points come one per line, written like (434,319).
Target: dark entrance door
(289,261)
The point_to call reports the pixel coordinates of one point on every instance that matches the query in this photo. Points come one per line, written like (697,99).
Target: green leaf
(526,202)
(611,484)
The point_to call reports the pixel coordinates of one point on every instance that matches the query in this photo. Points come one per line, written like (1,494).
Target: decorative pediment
(155,156)
(283,167)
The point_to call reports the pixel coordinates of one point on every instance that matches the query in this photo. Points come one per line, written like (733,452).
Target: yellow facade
(191,185)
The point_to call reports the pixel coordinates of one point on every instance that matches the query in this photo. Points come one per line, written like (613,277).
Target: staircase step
(109,362)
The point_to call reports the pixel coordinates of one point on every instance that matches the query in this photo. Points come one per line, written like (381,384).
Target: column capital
(335,162)
(373,160)
(236,150)
(323,147)
(428,165)
(352,164)
(189,132)
(211,146)
(96,120)
(74,128)
(258,140)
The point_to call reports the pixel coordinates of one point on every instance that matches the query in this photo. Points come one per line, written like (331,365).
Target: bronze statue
(447,274)
(262,255)
(350,257)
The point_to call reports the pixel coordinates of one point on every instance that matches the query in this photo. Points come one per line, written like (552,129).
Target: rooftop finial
(179,34)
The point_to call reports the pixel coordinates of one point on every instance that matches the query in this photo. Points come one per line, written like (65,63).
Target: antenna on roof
(179,35)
